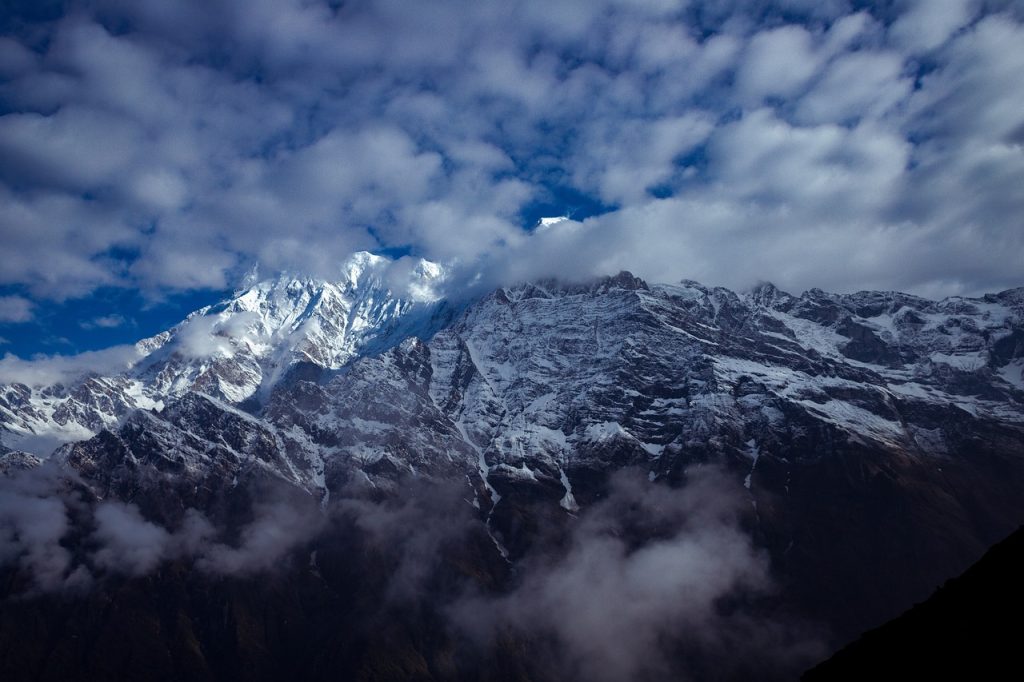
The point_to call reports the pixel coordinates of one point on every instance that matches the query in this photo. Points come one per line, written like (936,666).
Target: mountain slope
(876,439)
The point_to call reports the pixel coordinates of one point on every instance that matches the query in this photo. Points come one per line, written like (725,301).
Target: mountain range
(863,449)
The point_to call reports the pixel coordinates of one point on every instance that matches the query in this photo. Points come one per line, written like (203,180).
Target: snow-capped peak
(294,318)
(240,348)
(362,264)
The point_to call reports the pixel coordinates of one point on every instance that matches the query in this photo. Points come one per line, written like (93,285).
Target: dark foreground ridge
(968,629)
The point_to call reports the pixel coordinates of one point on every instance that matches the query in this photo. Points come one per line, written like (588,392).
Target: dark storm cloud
(809,143)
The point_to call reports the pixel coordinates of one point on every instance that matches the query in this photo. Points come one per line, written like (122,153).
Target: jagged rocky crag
(878,437)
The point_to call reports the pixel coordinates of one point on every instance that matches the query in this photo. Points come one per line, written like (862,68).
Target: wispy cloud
(15,309)
(47,370)
(111,321)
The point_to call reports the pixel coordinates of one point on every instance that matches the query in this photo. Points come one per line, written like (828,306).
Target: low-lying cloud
(33,521)
(640,587)
(40,513)
(649,583)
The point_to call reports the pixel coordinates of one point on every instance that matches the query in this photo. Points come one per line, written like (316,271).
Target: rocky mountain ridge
(878,437)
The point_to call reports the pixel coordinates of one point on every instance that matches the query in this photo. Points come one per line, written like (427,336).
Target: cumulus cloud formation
(718,141)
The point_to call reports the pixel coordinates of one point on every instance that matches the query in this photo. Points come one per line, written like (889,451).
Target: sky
(153,151)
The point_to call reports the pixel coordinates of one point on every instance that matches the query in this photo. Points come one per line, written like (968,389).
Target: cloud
(39,512)
(154,157)
(623,160)
(643,577)
(198,337)
(205,336)
(415,528)
(15,309)
(111,321)
(778,63)
(125,542)
(47,370)
(927,24)
(129,543)
(278,528)
(33,521)
(859,85)
(637,590)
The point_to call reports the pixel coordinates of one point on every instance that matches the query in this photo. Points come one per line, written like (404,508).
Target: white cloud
(47,370)
(33,521)
(927,24)
(778,63)
(160,189)
(104,322)
(814,170)
(858,85)
(631,604)
(15,309)
(130,544)
(396,125)
(75,148)
(15,58)
(621,160)
(202,337)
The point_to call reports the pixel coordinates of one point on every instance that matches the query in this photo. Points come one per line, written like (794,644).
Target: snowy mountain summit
(237,350)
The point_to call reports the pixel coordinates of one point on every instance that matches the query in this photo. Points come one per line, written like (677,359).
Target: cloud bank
(168,146)
(647,583)
(64,543)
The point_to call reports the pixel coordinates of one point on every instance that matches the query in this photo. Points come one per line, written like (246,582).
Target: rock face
(879,437)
